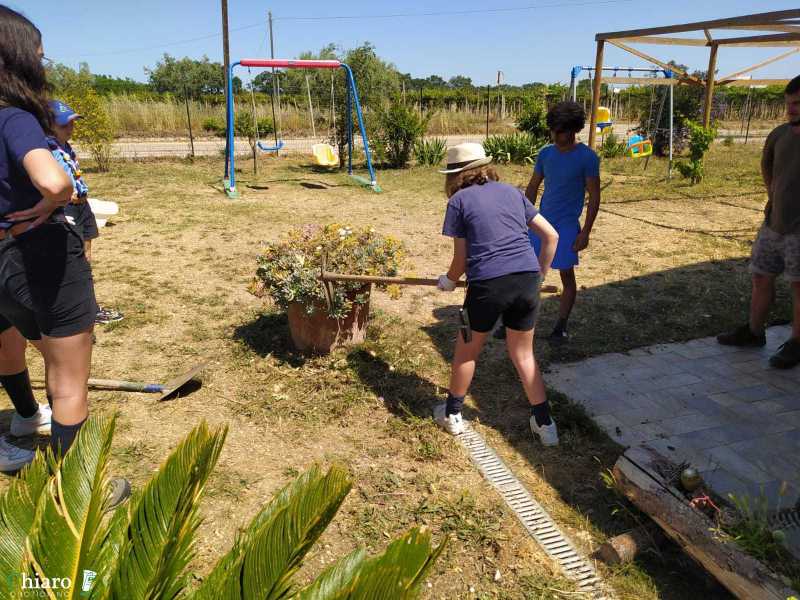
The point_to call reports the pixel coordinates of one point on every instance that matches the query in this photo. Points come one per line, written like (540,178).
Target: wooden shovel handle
(328,276)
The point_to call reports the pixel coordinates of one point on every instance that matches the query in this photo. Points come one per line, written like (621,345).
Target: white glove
(446,284)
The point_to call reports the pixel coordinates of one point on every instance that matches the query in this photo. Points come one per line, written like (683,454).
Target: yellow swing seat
(325,155)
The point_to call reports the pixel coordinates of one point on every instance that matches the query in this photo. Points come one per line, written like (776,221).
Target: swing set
(323,154)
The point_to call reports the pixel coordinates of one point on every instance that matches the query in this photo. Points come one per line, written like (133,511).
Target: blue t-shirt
(565,176)
(20,133)
(493,218)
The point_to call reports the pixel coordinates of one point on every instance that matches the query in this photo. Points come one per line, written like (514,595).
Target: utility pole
(276,88)
(226,59)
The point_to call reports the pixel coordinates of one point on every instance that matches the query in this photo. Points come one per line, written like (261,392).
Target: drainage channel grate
(788,518)
(533,517)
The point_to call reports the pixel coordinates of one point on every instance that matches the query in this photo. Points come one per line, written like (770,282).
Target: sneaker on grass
(787,356)
(38,423)
(107,315)
(13,458)
(452,424)
(742,336)
(547,434)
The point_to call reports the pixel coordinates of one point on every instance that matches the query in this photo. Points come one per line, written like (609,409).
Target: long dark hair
(23,82)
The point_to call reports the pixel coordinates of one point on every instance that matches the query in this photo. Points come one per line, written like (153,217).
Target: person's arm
(767,161)
(87,249)
(458,265)
(593,187)
(549,238)
(533,187)
(53,184)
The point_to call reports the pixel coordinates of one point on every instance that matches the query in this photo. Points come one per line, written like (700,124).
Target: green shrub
(518,148)
(214,125)
(612,147)
(398,128)
(700,139)
(52,526)
(430,152)
(533,118)
(94,131)
(728,141)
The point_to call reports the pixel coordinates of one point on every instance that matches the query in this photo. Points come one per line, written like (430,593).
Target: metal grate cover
(533,517)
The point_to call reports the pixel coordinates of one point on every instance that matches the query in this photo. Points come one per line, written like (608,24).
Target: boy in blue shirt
(569,170)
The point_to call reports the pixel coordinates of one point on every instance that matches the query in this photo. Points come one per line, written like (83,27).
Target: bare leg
(67,363)
(520,349)
(12,352)
(761,301)
(466,355)
(569,293)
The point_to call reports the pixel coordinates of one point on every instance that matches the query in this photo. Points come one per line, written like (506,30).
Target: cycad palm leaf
(335,582)
(269,552)
(153,559)
(17,511)
(67,525)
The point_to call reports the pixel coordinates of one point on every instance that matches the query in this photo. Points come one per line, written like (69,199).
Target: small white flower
(342,232)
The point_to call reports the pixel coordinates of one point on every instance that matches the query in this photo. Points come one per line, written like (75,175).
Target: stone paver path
(722,409)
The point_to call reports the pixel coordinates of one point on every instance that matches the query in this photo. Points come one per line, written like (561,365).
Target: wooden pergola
(771,29)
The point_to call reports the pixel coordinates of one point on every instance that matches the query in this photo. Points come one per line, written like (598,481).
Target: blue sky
(539,44)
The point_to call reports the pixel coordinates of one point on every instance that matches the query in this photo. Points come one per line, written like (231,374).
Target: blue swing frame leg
(229,181)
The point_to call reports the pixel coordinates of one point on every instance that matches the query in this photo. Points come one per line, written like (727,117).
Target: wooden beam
(766,18)
(641,80)
(707,33)
(759,39)
(712,67)
(763,63)
(751,82)
(663,41)
(784,28)
(663,65)
(637,476)
(598,81)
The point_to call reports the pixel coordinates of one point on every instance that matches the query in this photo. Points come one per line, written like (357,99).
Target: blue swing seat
(265,148)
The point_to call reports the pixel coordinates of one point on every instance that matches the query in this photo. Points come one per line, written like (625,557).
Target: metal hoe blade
(178,382)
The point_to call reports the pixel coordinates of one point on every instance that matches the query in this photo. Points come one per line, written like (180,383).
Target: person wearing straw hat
(489,222)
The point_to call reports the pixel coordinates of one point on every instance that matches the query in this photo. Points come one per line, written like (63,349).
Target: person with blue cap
(78,212)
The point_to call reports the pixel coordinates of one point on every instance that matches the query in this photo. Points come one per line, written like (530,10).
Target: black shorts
(82,218)
(46,284)
(515,297)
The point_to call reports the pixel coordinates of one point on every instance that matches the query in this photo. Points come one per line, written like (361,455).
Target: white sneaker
(13,458)
(547,434)
(38,423)
(452,424)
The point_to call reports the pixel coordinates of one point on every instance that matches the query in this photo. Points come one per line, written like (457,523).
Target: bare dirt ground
(666,262)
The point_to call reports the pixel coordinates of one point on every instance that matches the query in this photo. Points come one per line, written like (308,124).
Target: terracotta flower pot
(318,333)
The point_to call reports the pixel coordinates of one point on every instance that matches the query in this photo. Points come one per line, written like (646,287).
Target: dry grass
(667,262)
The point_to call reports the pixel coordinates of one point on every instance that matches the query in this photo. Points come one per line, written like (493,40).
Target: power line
(454,12)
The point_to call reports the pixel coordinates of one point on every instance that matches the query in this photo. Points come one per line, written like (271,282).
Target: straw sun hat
(465,156)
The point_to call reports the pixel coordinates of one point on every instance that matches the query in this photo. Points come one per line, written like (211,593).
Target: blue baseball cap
(62,114)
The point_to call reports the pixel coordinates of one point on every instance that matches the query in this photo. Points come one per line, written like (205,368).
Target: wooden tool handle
(116,384)
(326,276)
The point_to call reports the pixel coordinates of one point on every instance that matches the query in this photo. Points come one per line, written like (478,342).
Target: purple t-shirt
(493,218)
(20,133)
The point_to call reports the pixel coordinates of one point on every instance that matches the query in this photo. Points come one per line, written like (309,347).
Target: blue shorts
(565,257)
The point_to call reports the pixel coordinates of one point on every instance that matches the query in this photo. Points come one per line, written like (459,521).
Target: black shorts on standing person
(81,217)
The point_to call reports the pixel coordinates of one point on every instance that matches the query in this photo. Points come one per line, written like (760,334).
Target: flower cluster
(289,270)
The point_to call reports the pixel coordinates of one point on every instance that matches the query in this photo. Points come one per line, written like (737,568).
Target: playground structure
(637,146)
(353,104)
(773,29)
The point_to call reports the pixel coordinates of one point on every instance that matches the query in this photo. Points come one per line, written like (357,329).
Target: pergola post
(596,87)
(710,77)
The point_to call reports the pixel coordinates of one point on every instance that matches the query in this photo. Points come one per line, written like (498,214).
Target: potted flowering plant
(289,272)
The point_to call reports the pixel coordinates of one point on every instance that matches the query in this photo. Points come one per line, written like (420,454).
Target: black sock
(541,412)
(561,325)
(49,400)
(18,388)
(454,404)
(62,436)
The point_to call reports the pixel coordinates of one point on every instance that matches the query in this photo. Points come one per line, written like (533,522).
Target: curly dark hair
(23,82)
(567,117)
(793,86)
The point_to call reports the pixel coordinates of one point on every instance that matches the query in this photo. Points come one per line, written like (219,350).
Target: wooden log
(638,477)
(625,547)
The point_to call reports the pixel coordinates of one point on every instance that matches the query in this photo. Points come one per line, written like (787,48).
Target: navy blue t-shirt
(20,133)
(493,218)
